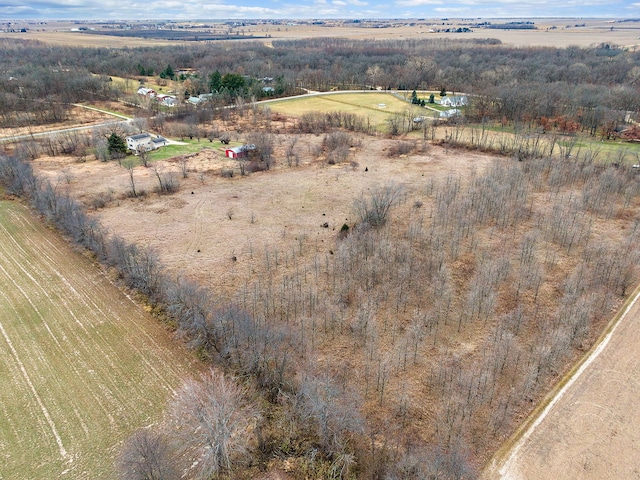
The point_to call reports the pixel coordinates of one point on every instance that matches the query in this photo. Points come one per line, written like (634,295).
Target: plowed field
(81,365)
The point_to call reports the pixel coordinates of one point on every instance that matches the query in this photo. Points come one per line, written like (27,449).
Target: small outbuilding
(146,92)
(239,152)
(452,112)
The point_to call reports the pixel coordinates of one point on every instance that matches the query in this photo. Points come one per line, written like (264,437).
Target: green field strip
(99,364)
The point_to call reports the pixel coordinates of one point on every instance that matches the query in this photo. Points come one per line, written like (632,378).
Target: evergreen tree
(233,82)
(116,146)
(215,81)
(168,73)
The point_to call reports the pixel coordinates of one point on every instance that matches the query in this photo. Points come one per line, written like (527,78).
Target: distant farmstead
(146,92)
(454,101)
(452,112)
(145,142)
(166,100)
(161,98)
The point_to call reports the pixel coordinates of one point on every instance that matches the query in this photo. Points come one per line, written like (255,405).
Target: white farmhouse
(454,101)
(144,142)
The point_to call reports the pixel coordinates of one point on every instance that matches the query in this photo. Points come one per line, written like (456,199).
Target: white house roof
(139,136)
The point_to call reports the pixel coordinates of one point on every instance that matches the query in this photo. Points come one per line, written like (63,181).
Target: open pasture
(378,107)
(81,365)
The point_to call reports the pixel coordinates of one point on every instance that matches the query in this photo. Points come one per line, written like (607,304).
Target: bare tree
(184,165)
(143,155)
(140,124)
(213,418)
(167,182)
(263,148)
(290,152)
(146,456)
(129,164)
(331,409)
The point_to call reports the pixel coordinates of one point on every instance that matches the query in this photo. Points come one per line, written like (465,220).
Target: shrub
(373,209)
(401,148)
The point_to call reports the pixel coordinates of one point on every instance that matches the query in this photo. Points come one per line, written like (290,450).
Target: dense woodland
(459,302)
(590,86)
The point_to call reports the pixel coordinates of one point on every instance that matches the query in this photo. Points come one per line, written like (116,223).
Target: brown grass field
(279,210)
(549,33)
(82,365)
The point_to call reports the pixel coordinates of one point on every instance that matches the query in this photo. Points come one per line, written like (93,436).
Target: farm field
(552,32)
(81,364)
(591,432)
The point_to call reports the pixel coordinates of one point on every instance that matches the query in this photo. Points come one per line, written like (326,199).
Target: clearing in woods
(377,107)
(81,365)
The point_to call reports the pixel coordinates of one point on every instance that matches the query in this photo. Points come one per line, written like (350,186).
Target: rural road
(124,120)
(587,427)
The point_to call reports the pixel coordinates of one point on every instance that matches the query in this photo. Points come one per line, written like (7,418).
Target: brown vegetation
(396,306)
(440,327)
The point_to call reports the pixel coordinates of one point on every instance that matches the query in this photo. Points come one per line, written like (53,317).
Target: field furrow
(81,364)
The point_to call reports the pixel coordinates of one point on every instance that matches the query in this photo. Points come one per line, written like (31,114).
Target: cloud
(417,3)
(310,9)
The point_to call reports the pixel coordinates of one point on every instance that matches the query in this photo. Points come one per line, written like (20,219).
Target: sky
(311,9)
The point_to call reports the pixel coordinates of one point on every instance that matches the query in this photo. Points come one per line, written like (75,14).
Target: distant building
(452,112)
(166,100)
(144,142)
(454,101)
(146,92)
(200,99)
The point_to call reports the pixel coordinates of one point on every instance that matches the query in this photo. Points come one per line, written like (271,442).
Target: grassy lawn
(190,146)
(81,365)
(378,107)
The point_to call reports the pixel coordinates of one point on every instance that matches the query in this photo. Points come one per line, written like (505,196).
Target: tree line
(590,85)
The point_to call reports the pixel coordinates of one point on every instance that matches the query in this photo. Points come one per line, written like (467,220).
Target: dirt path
(588,429)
